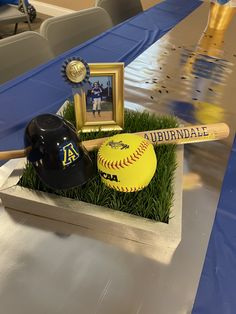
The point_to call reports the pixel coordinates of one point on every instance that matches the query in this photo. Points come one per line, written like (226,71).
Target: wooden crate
(131,232)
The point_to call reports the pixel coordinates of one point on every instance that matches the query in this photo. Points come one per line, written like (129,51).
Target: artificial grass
(153,202)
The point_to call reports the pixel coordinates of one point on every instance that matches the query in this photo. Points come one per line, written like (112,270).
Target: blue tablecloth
(217,287)
(43,89)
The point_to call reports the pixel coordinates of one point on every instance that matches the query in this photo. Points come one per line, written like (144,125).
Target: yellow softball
(126,162)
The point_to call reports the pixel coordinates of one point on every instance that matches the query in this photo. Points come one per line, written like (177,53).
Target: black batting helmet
(57,154)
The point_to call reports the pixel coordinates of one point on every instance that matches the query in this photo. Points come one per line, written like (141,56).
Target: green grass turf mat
(153,202)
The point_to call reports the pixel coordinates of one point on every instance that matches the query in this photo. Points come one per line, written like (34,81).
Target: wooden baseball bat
(182,135)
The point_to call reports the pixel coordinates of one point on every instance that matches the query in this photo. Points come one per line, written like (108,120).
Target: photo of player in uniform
(99,100)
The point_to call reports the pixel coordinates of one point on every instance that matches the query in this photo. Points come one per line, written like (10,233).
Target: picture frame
(102,108)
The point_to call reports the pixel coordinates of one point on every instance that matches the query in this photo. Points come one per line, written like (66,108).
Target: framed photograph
(103,106)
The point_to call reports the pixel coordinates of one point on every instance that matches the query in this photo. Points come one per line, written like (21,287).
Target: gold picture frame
(106,112)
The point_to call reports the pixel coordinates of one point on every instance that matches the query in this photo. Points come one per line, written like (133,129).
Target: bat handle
(12,154)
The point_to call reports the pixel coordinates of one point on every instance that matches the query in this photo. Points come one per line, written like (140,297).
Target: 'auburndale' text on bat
(172,135)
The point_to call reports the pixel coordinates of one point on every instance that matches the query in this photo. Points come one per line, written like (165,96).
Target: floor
(8,30)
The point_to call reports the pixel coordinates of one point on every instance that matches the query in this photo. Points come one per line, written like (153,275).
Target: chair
(22,52)
(10,14)
(120,10)
(67,31)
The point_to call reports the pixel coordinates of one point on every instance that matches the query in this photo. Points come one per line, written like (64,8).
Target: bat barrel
(188,134)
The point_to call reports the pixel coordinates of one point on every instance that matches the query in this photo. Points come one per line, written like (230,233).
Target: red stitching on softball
(133,158)
(127,189)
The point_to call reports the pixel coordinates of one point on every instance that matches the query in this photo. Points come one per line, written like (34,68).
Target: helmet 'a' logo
(70,154)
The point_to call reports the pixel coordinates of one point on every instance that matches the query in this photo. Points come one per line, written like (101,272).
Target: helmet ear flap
(35,155)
